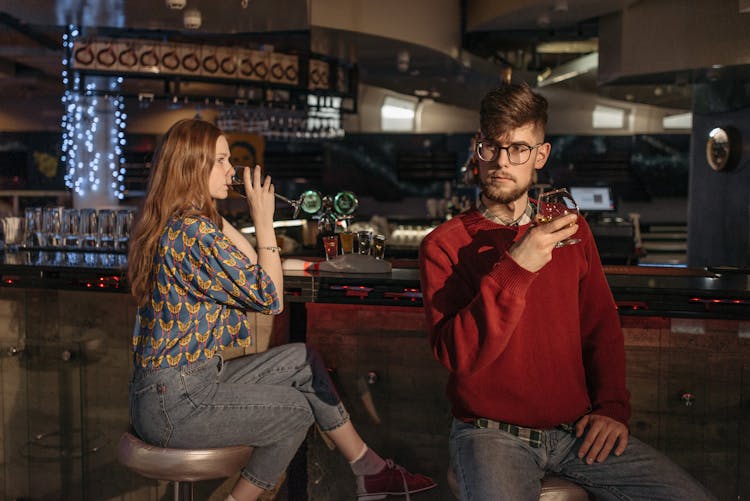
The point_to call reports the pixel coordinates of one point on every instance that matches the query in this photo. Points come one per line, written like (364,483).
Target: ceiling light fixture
(176,4)
(560,6)
(571,69)
(402,61)
(192,19)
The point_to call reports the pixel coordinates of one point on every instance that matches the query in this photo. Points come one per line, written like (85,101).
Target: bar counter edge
(638,291)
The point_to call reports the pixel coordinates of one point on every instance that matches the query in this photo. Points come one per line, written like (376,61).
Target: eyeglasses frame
(507,151)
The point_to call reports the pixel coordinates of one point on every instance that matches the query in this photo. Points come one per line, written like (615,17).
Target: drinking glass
(310,202)
(124,221)
(347,242)
(12,231)
(554,204)
(32,228)
(52,226)
(106,229)
(364,238)
(331,246)
(89,225)
(71,225)
(378,246)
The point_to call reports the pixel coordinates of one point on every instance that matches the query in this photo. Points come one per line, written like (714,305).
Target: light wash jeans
(493,465)
(267,400)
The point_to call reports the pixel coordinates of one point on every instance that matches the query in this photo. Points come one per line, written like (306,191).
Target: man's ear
(542,155)
(471,174)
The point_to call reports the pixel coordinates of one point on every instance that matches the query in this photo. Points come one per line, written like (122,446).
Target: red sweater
(531,349)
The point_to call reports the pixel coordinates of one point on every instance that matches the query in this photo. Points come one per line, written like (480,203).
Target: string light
(92,140)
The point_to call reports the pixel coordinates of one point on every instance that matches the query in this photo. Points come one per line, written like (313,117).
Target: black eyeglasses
(518,153)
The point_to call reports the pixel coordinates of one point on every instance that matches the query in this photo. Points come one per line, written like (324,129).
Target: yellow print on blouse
(174,309)
(174,359)
(198,267)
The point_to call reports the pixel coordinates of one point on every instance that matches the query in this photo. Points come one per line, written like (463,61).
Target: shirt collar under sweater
(525,218)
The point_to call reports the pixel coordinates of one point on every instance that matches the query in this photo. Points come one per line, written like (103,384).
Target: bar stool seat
(180,466)
(554,488)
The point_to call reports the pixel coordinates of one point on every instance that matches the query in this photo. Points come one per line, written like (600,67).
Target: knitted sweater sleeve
(602,340)
(469,327)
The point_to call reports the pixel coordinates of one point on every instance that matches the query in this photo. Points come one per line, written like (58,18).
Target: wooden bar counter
(66,321)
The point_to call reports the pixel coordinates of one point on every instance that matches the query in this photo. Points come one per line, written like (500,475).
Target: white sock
(368,463)
(360,455)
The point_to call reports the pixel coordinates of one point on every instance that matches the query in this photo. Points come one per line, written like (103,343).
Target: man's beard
(502,197)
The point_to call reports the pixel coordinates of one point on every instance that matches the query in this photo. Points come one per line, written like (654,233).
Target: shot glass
(378,246)
(347,242)
(331,246)
(364,239)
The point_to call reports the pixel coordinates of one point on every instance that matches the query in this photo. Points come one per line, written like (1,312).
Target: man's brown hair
(511,106)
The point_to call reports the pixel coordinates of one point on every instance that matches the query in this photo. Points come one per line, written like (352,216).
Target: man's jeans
(494,465)
(267,400)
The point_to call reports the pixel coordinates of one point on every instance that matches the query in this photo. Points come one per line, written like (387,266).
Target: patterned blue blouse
(203,287)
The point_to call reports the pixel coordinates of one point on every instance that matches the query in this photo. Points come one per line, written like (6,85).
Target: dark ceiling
(531,41)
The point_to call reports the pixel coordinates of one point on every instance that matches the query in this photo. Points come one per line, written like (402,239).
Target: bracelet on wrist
(272,248)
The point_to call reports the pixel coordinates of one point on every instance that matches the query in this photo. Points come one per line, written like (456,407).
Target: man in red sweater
(531,335)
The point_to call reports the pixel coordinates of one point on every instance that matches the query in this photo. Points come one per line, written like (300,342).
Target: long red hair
(177,184)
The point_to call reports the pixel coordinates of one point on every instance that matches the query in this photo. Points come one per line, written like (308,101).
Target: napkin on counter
(347,263)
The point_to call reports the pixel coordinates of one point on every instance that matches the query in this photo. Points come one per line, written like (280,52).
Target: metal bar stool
(553,489)
(180,466)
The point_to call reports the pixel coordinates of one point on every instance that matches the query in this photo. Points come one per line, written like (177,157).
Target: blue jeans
(267,400)
(493,465)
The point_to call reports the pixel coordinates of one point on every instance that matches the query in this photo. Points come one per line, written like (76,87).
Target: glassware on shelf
(106,229)
(378,246)
(71,225)
(123,224)
(89,227)
(12,227)
(52,226)
(347,242)
(331,246)
(32,227)
(364,242)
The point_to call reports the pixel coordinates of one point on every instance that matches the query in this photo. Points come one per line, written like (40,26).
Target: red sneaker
(392,480)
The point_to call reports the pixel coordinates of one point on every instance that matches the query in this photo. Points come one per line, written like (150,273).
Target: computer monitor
(593,198)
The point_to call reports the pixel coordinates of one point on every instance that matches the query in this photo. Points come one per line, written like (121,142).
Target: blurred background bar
(363,114)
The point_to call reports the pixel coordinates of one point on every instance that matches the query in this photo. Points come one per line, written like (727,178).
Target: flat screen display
(593,198)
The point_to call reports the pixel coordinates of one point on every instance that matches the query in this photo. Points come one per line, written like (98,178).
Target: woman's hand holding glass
(260,196)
